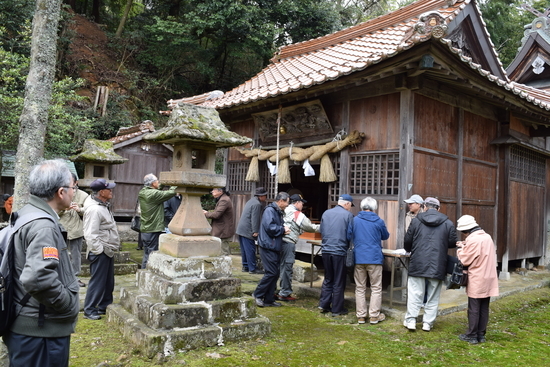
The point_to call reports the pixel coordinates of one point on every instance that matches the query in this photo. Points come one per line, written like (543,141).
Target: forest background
(149,51)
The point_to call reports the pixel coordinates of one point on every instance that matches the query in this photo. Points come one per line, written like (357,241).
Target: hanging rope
(298,154)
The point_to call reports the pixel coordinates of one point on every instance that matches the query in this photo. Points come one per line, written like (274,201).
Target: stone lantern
(98,156)
(195,132)
(187,297)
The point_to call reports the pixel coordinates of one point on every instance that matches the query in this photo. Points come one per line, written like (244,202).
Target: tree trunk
(124,17)
(38,93)
(96,5)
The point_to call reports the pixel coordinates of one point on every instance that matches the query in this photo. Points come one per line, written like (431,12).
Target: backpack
(8,311)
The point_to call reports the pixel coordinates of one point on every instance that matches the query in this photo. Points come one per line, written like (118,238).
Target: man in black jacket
(428,238)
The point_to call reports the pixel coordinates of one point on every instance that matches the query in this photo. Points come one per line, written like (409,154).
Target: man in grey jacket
(41,334)
(248,229)
(102,242)
(334,230)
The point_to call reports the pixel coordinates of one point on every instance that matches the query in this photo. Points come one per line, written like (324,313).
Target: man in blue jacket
(367,233)
(270,240)
(334,228)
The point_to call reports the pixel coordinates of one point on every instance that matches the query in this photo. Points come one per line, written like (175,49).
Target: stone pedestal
(185,303)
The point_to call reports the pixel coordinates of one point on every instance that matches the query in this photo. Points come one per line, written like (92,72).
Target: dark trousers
(32,351)
(332,291)
(266,288)
(248,253)
(150,244)
(478,316)
(99,294)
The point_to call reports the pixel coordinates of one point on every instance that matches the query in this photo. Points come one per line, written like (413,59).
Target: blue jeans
(150,243)
(248,253)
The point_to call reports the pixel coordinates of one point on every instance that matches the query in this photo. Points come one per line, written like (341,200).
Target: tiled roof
(316,61)
(127,133)
(305,64)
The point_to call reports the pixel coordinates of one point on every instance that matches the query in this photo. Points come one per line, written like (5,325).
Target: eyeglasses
(75,187)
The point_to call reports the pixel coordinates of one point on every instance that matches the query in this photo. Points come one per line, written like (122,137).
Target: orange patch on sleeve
(50,253)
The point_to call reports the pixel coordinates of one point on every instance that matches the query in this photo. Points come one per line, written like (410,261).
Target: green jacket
(152,209)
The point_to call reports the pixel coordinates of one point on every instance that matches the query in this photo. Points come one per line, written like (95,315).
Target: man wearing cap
(478,253)
(102,241)
(223,220)
(298,224)
(428,239)
(334,245)
(151,202)
(415,205)
(248,229)
(270,238)
(71,219)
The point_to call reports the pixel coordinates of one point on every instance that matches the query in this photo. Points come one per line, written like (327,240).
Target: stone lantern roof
(199,124)
(98,151)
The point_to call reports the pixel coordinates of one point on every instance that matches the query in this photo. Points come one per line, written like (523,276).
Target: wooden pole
(277,159)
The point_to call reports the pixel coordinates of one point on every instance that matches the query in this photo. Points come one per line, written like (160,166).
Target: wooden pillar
(406,158)
(406,168)
(343,180)
(460,164)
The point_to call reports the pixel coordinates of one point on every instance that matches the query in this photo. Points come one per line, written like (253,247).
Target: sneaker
(244,270)
(81,283)
(361,320)
(481,339)
(286,298)
(259,302)
(92,317)
(469,339)
(274,304)
(323,310)
(426,326)
(411,325)
(379,318)
(257,271)
(101,312)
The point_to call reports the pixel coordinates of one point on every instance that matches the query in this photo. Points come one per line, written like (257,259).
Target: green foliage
(505,21)
(15,16)
(67,125)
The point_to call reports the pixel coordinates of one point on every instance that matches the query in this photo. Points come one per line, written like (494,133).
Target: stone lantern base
(182,303)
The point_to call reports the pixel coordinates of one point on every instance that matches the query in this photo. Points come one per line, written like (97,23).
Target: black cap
(297,197)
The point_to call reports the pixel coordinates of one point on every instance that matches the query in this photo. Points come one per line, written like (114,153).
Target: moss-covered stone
(196,123)
(98,151)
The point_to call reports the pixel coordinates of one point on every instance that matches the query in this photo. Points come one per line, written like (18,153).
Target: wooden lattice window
(334,187)
(527,166)
(267,180)
(374,174)
(236,172)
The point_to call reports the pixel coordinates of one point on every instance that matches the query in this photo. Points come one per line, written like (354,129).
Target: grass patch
(517,335)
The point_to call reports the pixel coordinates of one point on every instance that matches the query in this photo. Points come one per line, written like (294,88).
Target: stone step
(120,269)
(181,290)
(152,342)
(158,315)
(123,264)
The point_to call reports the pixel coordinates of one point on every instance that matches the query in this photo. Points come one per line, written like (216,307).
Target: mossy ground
(517,335)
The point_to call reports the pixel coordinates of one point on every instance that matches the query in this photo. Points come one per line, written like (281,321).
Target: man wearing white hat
(478,253)
(415,205)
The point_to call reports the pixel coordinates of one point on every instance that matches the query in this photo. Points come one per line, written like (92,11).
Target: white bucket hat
(465,223)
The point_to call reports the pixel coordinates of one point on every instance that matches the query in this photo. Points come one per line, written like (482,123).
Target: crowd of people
(429,234)
(48,255)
